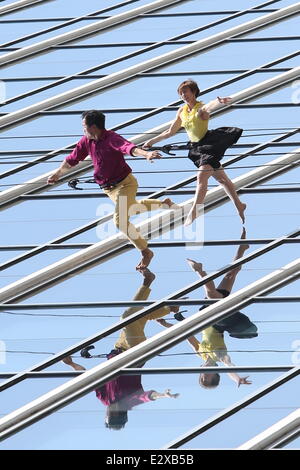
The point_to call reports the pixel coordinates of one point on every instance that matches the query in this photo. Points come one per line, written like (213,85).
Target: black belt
(112,184)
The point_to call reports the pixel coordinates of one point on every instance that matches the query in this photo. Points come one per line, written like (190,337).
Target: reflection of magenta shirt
(107,155)
(126,389)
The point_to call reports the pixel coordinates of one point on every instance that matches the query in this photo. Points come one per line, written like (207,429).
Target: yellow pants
(124,197)
(134,334)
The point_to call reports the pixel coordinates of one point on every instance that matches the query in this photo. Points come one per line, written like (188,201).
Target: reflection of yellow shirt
(195,127)
(212,345)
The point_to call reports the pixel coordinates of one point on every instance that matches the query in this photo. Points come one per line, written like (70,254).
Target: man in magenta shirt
(114,175)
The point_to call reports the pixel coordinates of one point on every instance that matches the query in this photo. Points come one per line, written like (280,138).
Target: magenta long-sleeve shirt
(107,155)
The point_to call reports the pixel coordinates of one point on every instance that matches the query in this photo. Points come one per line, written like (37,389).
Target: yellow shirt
(212,345)
(195,127)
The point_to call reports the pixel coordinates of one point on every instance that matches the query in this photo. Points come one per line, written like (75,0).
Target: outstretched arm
(174,127)
(235,377)
(209,107)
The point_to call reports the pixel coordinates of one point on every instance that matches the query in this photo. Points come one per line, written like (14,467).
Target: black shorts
(211,148)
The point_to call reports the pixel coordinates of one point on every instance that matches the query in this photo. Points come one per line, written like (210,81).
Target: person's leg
(229,278)
(229,188)
(126,205)
(205,171)
(210,289)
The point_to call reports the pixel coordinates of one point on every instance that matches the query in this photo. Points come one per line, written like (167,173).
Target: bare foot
(197,267)
(148,276)
(171,204)
(147,256)
(241,212)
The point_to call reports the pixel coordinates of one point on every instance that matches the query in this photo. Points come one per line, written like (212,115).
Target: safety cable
(13,351)
(91,180)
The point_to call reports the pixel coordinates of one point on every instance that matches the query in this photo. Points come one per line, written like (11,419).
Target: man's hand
(225,100)
(153,155)
(244,381)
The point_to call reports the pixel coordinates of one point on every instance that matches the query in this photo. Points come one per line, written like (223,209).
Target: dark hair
(191,85)
(116,419)
(94,117)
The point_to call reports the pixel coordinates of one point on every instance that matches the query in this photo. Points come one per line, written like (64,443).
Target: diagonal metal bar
(93,224)
(20,5)
(84,31)
(156,111)
(136,303)
(284,430)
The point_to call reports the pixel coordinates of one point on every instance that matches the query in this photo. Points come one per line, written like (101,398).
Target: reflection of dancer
(113,175)
(126,391)
(212,348)
(207,147)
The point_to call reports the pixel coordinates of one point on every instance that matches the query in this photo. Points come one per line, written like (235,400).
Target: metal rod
(169,108)
(93,224)
(144,44)
(80,33)
(78,195)
(70,22)
(284,430)
(20,5)
(230,411)
(149,74)
(136,303)
(146,15)
(208,43)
